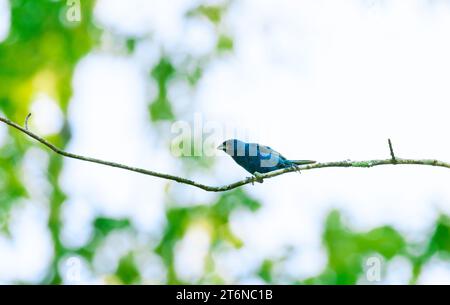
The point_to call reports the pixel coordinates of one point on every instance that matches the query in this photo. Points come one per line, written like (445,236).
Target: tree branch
(365,164)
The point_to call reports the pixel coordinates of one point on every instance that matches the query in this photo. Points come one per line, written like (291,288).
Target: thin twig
(394,160)
(346,163)
(26,120)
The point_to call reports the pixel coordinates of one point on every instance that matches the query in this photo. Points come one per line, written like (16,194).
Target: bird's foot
(251,179)
(257,177)
(297,168)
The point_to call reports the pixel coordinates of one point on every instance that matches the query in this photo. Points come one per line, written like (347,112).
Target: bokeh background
(324,80)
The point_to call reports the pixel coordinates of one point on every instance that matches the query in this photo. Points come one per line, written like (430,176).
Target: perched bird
(258,159)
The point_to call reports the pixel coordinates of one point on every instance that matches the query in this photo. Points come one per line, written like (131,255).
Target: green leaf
(225,43)
(265,271)
(106,225)
(161,109)
(163,71)
(212,12)
(127,271)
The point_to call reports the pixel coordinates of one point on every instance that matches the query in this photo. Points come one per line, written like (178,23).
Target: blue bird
(258,159)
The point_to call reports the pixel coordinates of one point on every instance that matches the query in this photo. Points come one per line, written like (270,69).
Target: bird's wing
(266,151)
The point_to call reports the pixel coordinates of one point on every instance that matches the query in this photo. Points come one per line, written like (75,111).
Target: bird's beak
(221,147)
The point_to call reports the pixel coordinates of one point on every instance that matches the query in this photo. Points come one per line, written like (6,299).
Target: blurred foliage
(191,148)
(215,219)
(40,55)
(190,68)
(347,250)
(41,52)
(160,108)
(127,271)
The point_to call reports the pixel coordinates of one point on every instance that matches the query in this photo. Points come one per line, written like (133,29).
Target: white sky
(312,79)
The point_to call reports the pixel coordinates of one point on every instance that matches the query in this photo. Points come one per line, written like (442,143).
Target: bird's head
(230,146)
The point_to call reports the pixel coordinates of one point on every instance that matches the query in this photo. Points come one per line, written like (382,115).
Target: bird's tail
(302,162)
